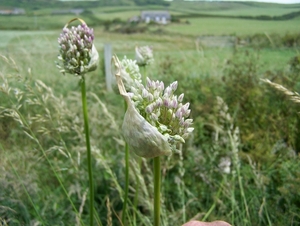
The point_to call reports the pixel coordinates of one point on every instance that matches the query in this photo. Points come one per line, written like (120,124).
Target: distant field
(234,8)
(39,22)
(124,15)
(176,39)
(38,50)
(228,26)
(42,19)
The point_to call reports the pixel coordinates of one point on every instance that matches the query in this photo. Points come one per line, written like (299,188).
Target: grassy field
(42,19)
(234,8)
(227,26)
(30,45)
(43,173)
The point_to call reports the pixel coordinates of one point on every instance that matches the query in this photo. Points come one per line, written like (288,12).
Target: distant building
(161,17)
(14,11)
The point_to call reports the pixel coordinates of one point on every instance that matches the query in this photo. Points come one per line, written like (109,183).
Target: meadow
(237,117)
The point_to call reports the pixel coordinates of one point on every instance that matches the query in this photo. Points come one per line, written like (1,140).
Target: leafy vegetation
(237,117)
(151,2)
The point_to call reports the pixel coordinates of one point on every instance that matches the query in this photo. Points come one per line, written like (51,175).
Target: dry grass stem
(294,96)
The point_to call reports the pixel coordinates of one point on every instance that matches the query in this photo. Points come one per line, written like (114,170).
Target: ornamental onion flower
(164,110)
(143,139)
(156,109)
(143,55)
(77,53)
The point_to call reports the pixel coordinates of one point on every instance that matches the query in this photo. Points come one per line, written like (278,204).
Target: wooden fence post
(107,65)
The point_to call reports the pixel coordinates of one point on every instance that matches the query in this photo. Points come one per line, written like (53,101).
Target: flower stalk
(157,185)
(88,147)
(156,120)
(124,210)
(78,56)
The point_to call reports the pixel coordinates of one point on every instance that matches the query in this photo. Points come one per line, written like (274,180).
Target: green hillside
(188,18)
(37,4)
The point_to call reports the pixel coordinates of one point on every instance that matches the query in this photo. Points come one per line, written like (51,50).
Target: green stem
(237,167)
(233,201)
(242,193)
(214,204)
(126,183)
(183,201)
(137,187)
(126,176)
(88,147)
(157,180)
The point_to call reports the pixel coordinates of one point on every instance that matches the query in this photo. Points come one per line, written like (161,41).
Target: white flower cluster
(143,55)
(156,120)
(77,52)
(130,73)
(164,110)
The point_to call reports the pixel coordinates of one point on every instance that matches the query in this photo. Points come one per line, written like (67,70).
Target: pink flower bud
(174,85)
(174,103)
(145,93)
(73,45)
(180,98)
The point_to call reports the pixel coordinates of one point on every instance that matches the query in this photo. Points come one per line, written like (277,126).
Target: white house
(162,17)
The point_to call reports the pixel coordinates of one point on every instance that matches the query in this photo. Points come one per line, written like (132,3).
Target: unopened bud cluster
(77,52)
(143,55)
(130,73)
(164,110)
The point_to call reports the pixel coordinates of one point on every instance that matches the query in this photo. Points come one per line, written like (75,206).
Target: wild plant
(78,56)
(157,127)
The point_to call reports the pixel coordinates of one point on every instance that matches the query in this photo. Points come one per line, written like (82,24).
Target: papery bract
(143,138)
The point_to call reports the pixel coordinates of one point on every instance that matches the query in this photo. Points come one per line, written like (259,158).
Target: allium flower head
(159,117)
(143,55)
(77,53)
(143,139)
(164,110)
